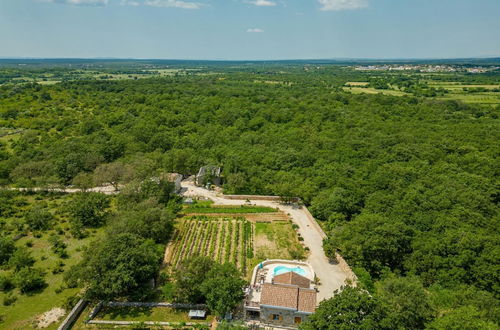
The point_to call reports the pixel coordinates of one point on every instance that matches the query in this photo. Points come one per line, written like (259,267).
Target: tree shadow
(127,312)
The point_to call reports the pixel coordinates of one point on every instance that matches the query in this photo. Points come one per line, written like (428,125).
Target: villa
(281,293)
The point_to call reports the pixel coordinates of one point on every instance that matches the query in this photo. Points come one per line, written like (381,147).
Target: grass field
(356,83)
(162,314)
(455,93)
(23,313)
(361,90)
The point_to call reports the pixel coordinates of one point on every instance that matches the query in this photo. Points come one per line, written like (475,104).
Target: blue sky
(250,29)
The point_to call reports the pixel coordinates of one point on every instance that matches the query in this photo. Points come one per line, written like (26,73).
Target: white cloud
(173,3)
(342,4)
(255,30)
(263,3)
(130,3)
(81,2)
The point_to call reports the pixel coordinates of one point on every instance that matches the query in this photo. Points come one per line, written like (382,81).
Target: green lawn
(229,209)
(277,240)
(160,314)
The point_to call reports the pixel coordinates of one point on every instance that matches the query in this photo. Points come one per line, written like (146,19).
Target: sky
(249,29)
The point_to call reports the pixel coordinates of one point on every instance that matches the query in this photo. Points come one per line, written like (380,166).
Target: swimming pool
(284,269)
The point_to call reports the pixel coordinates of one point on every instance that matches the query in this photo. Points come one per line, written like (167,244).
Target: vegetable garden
(221,239)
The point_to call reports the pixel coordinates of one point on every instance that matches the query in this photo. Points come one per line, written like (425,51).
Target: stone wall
(73,315)
(287,317)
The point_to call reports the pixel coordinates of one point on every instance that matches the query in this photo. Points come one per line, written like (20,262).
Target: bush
(39,218)
(7,248)
(9,299)
(70,302)
(21,258)
(6,283)
(29,279)
(58,246)
(59,268)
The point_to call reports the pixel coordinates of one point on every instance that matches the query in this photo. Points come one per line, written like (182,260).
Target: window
(297,320)
(276,317)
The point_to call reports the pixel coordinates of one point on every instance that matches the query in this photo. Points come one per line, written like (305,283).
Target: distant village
(425,68)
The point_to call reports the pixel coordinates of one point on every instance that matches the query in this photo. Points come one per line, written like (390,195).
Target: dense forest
(405,186)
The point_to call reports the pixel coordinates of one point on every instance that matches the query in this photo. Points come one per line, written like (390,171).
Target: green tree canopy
(120,266)
(350,308)
(223,289)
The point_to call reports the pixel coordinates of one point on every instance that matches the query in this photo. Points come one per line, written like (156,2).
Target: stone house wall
(287,316)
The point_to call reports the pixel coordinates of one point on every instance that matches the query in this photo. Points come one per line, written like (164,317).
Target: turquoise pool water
(283,269)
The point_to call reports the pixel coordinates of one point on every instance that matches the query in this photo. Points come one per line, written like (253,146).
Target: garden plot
(221,239)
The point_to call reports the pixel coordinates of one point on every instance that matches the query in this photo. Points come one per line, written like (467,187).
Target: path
(107,190)
(331,276)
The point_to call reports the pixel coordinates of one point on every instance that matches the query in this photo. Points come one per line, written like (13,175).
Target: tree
(406,301)
(338,200)
(113,174)
(223,289)
(350,308)
(21,258)
(39,218)
(7,248)
(147,219)
(373,242)
(189,278)
(84,181)
(88,209)
(29,279)
(466,317)
(118,266)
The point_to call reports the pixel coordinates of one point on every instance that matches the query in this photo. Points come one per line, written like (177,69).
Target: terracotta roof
(307,300)
(288,296)
(292,278)
(279,295)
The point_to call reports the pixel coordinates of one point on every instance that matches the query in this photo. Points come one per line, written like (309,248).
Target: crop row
(223,240)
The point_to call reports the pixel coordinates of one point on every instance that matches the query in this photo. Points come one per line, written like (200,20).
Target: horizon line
(493,57)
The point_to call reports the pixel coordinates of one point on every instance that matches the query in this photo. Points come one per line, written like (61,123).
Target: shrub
(21,258)
(70,302)
(9,299)
(58,246)
(6,283)
(39,218)
(7,248)
(29,279)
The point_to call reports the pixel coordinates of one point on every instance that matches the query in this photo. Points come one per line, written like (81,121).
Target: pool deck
(270,269)
(265,273)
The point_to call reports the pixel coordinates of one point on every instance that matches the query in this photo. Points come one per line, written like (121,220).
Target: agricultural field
(229,209)
(236,240)
(369,90)
(222,239)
